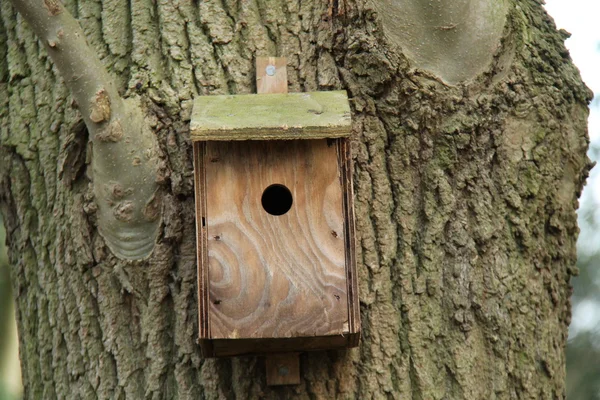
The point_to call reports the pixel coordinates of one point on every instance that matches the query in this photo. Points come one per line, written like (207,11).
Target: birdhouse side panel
(272,272)
(201,239)
(346,171)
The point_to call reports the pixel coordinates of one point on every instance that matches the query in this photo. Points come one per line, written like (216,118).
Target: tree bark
(465,195)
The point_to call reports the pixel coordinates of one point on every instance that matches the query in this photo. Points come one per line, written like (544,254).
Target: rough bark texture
(465,199)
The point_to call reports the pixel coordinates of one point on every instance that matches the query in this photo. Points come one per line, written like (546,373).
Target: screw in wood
(270,70)
(283,371)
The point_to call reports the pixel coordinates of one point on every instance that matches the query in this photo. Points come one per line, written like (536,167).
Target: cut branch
(124,161)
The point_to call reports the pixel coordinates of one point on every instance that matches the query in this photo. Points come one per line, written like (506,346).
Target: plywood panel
(275,276)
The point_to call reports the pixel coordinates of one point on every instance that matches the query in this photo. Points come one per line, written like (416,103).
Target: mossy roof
(313,115)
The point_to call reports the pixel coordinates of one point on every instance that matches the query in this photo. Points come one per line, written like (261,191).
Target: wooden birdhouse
(275,223)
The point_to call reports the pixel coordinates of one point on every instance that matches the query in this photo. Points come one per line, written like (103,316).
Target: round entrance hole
(277,199)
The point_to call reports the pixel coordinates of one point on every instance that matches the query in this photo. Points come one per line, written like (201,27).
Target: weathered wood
(346,169)
(271,75)
(201,239)
(275,276)
(314,115)
(237,347)
(279,278)
(211,346)
(283,369)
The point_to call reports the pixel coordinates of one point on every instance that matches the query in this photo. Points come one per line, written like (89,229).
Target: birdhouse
(275,224)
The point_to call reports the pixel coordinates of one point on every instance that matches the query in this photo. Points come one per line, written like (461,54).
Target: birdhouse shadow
(316,369)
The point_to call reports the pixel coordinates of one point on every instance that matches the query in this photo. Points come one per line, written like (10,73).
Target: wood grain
(275,276)
(346,169)
(266,282)
(228,347)
(201,238)
(276,83)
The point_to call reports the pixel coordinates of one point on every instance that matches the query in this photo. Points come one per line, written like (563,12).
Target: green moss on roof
(314,115)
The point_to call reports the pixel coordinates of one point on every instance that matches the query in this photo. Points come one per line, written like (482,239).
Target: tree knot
(124,211)
(53,6)
(112,133)
(100,107)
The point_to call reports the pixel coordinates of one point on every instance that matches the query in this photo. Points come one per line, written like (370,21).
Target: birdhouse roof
(314,115)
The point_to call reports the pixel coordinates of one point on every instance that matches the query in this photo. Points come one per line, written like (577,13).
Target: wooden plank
(275,276)
(345,162)
(283,369)
(271,75)
(313,115)
(201,240)
(233,347)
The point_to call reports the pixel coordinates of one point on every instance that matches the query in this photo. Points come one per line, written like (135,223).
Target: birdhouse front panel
(275,231)
(276,267)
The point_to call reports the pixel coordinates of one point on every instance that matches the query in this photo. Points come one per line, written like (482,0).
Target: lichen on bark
(465,197)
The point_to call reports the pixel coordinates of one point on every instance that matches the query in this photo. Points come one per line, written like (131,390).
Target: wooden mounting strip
(271,75)
(283,369)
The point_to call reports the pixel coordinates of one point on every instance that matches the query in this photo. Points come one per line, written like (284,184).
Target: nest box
(275,223)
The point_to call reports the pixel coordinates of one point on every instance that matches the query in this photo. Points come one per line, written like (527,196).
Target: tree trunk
(466,185)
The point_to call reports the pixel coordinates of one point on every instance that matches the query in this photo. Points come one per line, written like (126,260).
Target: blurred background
(583,352)
(10,371)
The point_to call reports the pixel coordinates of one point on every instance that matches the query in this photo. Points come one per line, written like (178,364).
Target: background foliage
(9,376)
(579,17)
